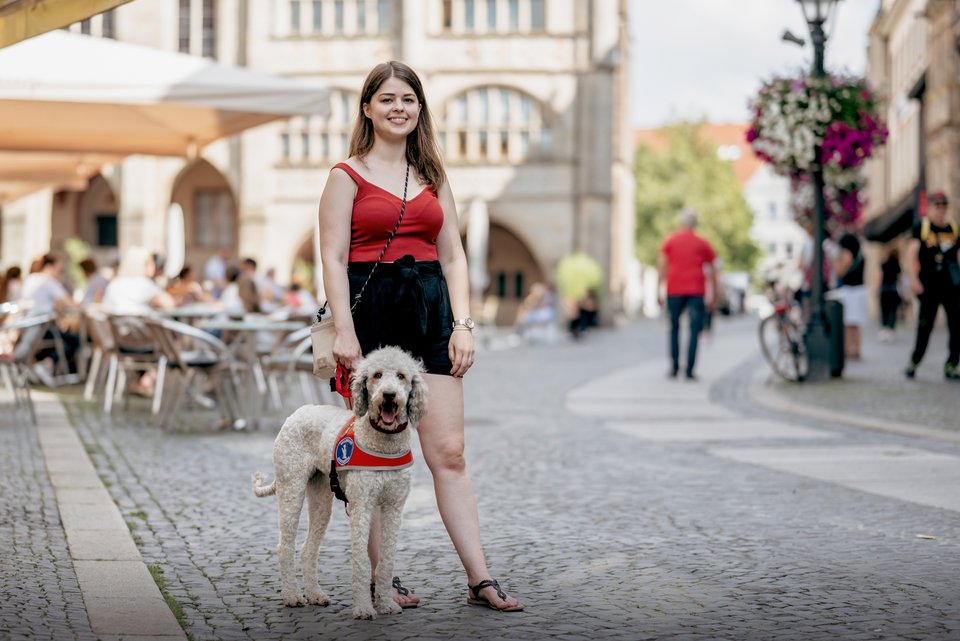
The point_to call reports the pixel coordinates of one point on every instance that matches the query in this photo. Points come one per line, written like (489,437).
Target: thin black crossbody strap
(403,208)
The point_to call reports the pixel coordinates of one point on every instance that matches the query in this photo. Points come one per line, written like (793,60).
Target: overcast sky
(705,58)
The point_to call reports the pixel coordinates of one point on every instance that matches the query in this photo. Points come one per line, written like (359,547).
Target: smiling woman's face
(394,110)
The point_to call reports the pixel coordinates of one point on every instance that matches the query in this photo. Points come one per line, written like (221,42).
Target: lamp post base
(818,349)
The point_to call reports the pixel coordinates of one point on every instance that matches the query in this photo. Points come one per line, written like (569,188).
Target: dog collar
(348,455)
(402,427)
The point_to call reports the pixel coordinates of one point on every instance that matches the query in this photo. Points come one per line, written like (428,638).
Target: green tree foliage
(689,174)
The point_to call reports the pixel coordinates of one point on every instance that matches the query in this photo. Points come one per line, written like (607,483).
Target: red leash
(341,379)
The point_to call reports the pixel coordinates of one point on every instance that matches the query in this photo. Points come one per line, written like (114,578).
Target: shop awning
(894,221)
(23,172)
(22,19)
(65,92)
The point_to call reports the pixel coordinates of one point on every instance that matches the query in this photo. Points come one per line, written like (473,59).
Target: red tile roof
(720,134)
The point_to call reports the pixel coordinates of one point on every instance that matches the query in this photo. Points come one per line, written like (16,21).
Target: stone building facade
(914,61)
(529,96)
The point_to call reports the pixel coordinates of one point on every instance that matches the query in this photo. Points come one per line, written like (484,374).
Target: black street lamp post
(816,13)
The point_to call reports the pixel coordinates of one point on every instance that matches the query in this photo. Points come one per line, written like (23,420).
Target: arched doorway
(98,220)
(512,269)
(210,219)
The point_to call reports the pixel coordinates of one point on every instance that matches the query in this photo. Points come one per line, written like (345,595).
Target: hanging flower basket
(840,114)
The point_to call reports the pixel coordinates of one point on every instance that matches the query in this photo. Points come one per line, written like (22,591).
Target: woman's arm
(453,261)
(336,212)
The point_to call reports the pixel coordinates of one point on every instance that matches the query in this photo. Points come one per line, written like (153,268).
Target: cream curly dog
(389,394)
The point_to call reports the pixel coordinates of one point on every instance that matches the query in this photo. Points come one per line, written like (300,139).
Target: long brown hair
(422,150)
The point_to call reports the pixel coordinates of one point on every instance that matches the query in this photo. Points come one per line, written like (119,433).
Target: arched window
(313,18)
(492,16)
(494,125)
(318,140)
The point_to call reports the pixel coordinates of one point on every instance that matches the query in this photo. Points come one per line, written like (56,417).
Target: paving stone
(603,534)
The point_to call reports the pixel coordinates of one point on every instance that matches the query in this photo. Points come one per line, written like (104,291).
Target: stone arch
(512,268)
(495,123)
(210,215)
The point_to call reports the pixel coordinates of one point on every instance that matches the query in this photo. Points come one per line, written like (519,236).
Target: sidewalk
(873,392)
(617,504)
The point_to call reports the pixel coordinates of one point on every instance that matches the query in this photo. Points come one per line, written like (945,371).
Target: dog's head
(388,386)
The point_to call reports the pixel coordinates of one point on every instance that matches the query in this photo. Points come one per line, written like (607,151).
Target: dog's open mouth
(388,414)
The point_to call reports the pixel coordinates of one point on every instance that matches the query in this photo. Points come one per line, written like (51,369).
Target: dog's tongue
(387,417)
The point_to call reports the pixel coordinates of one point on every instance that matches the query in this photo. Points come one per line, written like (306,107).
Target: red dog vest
(347,454)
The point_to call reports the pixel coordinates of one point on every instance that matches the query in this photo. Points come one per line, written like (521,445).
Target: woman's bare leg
(441,439)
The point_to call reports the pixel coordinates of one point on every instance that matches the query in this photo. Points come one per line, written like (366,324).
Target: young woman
(417,298)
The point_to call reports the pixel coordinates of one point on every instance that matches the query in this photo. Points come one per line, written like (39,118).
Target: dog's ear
(417,401)
(358,389)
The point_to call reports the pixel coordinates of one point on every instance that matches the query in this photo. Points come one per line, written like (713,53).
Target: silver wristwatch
(466,323)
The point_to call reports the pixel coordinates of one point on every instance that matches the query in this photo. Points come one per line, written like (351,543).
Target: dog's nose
(389,397)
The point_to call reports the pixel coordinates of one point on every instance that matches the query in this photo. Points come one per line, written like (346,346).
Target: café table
(250,339)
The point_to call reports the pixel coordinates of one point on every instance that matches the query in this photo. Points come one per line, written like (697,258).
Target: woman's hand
(346,349)
(461,351)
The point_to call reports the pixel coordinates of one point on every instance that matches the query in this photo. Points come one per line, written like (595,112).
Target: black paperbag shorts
(406,304)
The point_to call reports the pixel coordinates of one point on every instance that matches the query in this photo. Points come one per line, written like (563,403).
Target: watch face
(468,322)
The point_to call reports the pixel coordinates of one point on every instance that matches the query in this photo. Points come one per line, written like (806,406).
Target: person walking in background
(685,263)
(889,295)
(848,267)
(935,280)
(394,151)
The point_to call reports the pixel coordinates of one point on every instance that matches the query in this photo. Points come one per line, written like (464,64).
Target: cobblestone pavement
(876,385)
(602,534)
(40,594)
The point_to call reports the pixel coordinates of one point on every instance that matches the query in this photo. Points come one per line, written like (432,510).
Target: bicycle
(782,337)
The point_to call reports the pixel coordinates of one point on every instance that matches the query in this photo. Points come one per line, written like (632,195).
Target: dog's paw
(362,612)
(292,600)
(317,597)
(388,606)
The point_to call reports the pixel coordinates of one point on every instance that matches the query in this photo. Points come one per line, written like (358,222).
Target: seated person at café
(96,282)
(11,285)
(133,290)
(43,293)
(186,290)
(230,298)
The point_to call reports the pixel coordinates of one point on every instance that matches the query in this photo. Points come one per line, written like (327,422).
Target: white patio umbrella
(68,92)
(176,241)
(478,240)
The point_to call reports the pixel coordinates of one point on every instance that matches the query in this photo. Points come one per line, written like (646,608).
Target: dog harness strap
(347,454)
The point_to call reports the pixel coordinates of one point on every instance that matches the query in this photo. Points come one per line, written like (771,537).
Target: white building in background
(530,99)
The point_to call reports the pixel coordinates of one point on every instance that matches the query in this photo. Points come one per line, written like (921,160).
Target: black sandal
(476,599)
(401,590)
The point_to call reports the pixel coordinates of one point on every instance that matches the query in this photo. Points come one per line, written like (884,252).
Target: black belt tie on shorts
(409,294)
(405,304)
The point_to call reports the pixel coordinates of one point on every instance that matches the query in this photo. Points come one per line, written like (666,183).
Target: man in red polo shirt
(685,261)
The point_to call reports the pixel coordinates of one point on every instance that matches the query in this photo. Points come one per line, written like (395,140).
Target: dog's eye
(401,376)
(378,375)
